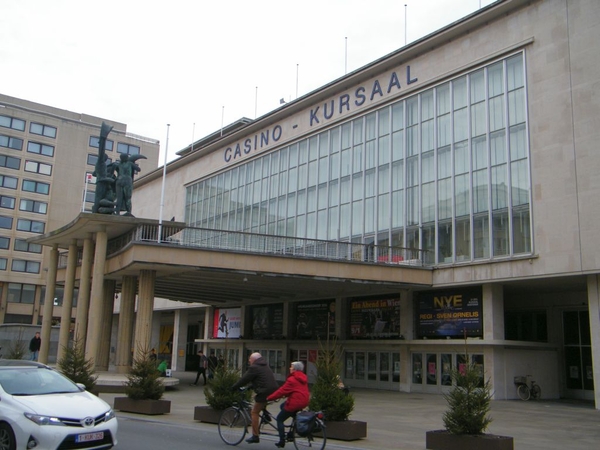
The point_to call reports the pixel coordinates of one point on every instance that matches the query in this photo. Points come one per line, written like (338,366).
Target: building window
(11,142)
(7,202)
(445,170)
(6,222)
(91,159)
(21,245)
(9,162)
(3,263)
(33,206)
(90,196)
(22,265)
(526,326)
(4,243)
(11,122)
(32,226)
(128,148)
(8,182)
(21,293)
(95,142)
(42,130)
(36,186)
(38,167)
(40,149)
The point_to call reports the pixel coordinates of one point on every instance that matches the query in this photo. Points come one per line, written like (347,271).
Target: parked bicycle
(235,420)
(527,391)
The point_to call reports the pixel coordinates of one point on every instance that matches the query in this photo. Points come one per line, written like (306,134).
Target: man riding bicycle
(262,380)
(295,389)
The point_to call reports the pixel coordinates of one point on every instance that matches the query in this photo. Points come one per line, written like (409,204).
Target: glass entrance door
(578,354)
(378,370)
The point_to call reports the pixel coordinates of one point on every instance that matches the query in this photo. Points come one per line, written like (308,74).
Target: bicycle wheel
(232,426)
(524,392)
(536,391)
(314,441)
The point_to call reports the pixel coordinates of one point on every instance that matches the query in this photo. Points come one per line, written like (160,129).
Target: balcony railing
(206,238)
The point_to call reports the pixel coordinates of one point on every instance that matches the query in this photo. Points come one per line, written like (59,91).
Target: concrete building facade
(47,158)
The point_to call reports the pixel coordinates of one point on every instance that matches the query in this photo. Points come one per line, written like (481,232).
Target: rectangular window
(38,167)
(91,159)
(33,206)
(21,245)
(8,182)
(9,162)
(42,130)
(32,226)
(6,222)
(40,149)
(95,142)
(12,122)
(7,202)
(128,149)
(36,186)
(3,263)
(21,265)
(11,142)
(4,243)
(21,293)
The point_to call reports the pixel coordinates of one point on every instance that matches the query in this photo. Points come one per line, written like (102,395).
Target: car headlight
(110,414)
(44,420)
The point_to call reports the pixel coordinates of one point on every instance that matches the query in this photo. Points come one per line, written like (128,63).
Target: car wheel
(7,437)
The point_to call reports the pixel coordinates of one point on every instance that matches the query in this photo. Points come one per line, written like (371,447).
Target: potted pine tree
(336,403)
(75,367)
(218,395)
(144,388)
(467,416)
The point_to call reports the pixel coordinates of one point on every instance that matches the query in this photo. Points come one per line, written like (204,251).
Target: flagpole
(162,194)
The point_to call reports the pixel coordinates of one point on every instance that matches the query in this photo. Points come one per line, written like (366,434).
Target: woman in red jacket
(295,389)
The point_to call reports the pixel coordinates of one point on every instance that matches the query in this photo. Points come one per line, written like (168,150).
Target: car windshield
(34,381)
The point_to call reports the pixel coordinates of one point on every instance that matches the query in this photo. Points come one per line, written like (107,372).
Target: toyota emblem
(88,421)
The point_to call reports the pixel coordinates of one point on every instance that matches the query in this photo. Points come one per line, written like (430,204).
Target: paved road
(399,420)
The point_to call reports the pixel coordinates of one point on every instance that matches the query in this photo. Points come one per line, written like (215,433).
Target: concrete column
(493,311)
(83,298)
(407,330)
(67,306)
(106,329)
(143,319)
(48,304)
(593,288)
(125,328)
(209,314)
(176,334)
(95,319)
(3,301)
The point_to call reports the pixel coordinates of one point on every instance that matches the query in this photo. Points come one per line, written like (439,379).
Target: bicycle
(235,420)
(525,391)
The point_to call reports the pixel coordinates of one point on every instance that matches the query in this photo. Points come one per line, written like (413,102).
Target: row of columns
(95,303)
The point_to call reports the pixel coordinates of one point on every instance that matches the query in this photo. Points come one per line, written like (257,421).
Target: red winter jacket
(295,389)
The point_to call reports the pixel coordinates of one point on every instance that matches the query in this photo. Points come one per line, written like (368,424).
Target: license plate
(90,437)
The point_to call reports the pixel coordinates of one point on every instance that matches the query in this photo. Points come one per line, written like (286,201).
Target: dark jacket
(260,376)
(35,344)
(295,389)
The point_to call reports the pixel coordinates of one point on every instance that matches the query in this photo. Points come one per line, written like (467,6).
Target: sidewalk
(399,420)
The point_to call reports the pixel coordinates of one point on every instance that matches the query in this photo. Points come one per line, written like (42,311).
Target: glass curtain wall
(445,170)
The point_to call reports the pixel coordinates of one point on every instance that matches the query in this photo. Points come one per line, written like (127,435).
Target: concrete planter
(148,407)
(346,430)
(443,440)
(207,414)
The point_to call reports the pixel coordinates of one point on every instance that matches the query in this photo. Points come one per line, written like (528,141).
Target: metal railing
(269,244)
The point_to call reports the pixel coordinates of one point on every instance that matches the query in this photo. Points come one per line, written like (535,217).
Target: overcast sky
(198,64)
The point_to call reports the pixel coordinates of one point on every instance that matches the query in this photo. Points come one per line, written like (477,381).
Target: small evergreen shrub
(468,401)
(143,381)
(74,366)
(218,393)
(326,396)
